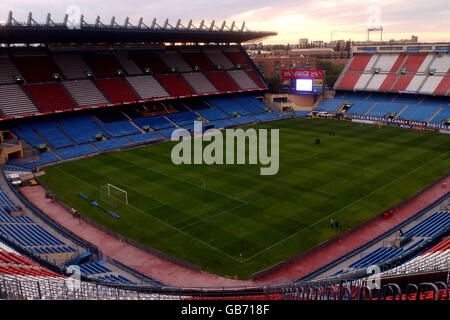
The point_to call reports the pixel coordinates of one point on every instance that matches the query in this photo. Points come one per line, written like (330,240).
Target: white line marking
(160,221)
(335,212)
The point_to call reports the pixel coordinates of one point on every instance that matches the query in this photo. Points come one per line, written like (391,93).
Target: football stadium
(93,206)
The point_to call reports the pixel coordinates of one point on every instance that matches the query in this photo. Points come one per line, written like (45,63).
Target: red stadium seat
(237,57)
(349,80)
(49,97)
(116,90)
(149,60)
(388,82)
(197,58)
(103,65)
(402,82)
(222,81)
(443,86)
(413,62)
(359,62)
(398,63)
(36,68)
(255,77)
(175,85)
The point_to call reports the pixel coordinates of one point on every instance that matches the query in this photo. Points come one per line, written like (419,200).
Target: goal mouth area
(112,193)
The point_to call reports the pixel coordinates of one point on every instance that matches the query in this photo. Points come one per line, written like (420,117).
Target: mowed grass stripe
(238,212)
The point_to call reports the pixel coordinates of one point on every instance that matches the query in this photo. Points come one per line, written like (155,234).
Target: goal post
(116,192)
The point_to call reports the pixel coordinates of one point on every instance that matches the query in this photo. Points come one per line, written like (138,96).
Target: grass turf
(233,221)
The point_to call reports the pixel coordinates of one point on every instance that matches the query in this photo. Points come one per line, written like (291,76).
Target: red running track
(170,273)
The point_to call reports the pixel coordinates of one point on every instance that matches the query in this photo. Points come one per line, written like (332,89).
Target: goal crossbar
(109,186)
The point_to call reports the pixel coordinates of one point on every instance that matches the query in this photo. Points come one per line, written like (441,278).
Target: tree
(347,48)
(274,83)
(338,47)
(332,71)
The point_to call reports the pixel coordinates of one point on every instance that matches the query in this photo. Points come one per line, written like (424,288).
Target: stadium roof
(78,31)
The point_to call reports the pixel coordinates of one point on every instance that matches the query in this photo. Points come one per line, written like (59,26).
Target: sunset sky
(312,19)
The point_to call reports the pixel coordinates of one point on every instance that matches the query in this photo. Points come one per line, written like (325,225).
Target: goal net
(113,195)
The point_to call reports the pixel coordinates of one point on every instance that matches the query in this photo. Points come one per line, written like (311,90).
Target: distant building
(318,44)
(334,43)
(320,53)
(271,66)
(303,42)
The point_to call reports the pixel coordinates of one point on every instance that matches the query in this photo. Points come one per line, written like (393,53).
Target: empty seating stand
(433,259)
(222,81)
(431,226)
(443,86)
(173,59)
(182,118)
(349,81)
(13,263)
(45,158)
(413,62)
(218,58)
(378,256)
(359,62)
(147,87)
(9,70)
(116,90)
(93,268)
(14,101)
(29,235)
(418,112)
(36,67)
(430,85)
(72,66)
(112,144)
(441,64)
(85,93)
(213,114)
(248,103)
(103,65)
(244,120)
(199,82)
(237,57)
(386,62)
(329,105)
(54,136)
(80,127)
(49,97)
(149,60)
(156,122)
(226,123)
(199,59)
(120,129)
(148,136)
(242,79)
(442,115)
(384,108)
(128,64)
(360,107)
(229,106)
(77,151)
(175,85)
(256,78)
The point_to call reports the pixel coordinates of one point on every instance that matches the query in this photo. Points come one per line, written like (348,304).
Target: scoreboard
(303,81)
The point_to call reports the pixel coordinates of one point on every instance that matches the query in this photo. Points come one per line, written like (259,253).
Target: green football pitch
(231,220)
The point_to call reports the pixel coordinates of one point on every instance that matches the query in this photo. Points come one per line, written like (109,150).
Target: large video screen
(304,85)
(307,82)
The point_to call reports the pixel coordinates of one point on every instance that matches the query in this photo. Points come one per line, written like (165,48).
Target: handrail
(428,284)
